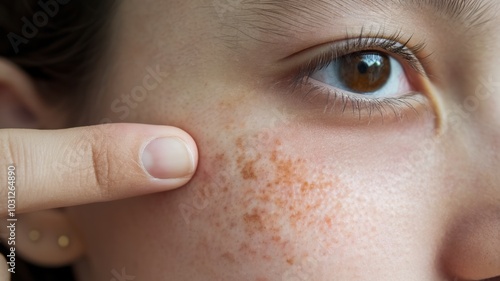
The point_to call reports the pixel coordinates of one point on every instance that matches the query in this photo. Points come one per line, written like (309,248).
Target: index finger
(59,168)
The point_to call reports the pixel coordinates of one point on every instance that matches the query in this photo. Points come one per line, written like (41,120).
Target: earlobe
(20,104)
(47,238)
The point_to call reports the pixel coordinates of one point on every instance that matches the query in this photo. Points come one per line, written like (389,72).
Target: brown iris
(364,72)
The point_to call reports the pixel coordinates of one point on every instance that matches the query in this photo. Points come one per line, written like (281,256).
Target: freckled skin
(268,213)
(298,212)
(283,191)
(281,198)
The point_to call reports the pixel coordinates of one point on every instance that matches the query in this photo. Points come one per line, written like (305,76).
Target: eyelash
(377,42)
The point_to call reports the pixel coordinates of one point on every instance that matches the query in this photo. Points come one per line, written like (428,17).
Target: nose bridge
(488,119)
(482,96)
(476,123)
(480,102)
(486,133)
(487,96)
(487,90)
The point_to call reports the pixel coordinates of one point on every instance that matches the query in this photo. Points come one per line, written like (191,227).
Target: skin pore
(292,183)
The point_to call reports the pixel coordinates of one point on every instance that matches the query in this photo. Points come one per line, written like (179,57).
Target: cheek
(265,200)
(280,199)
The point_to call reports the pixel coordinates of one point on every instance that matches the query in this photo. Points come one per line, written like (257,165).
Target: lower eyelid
(339,107)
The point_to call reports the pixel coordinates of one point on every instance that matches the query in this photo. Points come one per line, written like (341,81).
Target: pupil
(364,72)
(362,67)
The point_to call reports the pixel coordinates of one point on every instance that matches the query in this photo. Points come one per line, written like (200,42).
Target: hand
(92,164)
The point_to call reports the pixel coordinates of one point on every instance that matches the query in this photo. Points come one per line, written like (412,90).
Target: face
(338,141)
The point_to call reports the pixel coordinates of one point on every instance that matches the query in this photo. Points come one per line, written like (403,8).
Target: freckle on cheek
(265,200)
(281,196)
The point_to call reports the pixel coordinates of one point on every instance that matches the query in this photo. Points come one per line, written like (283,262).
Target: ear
(21,105)
(47,238)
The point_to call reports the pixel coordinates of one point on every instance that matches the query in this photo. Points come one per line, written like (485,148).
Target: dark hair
(58,43)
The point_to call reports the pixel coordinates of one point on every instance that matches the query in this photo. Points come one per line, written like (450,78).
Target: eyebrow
(279,17)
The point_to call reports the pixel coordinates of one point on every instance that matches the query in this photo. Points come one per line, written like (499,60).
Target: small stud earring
(34,235)
(63,241)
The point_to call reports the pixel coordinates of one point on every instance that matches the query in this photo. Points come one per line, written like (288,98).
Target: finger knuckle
(101,164)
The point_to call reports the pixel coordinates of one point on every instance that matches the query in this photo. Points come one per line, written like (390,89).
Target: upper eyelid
(389,46)
(369,35)
(378,41)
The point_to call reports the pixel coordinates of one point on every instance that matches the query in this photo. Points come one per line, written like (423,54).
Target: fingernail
(168,158)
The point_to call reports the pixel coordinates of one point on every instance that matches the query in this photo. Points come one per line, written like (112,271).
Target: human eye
(368,75)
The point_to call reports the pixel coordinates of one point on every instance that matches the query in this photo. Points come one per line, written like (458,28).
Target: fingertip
(168,158)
